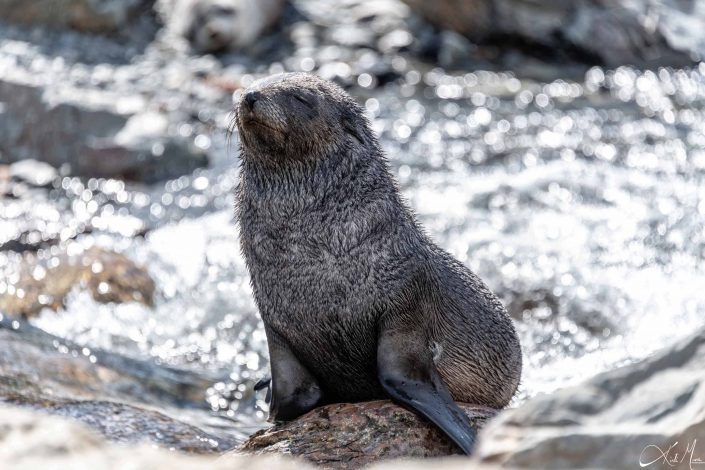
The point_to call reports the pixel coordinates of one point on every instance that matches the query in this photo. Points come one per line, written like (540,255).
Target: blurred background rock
(555,147)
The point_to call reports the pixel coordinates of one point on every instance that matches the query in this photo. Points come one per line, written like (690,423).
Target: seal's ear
(352,125)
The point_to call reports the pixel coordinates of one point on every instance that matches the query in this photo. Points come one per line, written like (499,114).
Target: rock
(96,133)
(99,398)
(352,435)
(31,440)
(124,423)
(33,172)
(454,49)
(637,32)
(95,16)
(59,409)
(126,400)
(37,365)
(110,277)
(395,41)
(624,418)
(216,25)
(353,35)
(31,237)
(5,180)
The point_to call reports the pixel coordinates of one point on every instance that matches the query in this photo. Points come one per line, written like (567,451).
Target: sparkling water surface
(581,203)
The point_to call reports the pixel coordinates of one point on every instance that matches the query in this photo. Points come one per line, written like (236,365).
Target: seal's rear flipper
(408,375)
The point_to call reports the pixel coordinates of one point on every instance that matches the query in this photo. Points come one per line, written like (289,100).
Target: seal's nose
(251,98)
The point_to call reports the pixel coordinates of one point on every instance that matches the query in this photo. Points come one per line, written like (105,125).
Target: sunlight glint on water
(581,204)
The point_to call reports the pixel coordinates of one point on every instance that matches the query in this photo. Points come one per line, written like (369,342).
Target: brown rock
(352,435)
(110,277)
(465,17)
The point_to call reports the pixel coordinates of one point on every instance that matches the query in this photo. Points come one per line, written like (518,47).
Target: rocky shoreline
(597,424)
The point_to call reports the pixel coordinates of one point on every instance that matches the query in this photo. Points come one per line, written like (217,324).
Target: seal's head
(298,116)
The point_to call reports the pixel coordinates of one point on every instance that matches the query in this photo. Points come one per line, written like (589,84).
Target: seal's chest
(308,241)
(322,291)
(304,271)
(340,346)
(309,259)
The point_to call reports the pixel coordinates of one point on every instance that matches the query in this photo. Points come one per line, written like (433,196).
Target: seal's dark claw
(265,382)
(262,383)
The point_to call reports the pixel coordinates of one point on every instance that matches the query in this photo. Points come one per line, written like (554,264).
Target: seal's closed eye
(302,100)
(353,127)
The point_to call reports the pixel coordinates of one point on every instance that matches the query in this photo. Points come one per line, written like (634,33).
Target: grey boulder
(637,415)
(611,32)
(94,16)
(94,132)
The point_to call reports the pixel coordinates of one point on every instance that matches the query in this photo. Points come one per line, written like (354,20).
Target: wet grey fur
(355,297)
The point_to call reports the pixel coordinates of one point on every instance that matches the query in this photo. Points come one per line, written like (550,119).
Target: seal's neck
(342,169)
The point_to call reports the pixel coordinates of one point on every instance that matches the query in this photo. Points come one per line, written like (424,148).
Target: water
(580,203)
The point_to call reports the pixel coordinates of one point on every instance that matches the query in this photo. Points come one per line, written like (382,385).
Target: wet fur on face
(296,117)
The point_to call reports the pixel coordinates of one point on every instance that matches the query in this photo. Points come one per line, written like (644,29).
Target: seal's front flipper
(294,391)
(407,373)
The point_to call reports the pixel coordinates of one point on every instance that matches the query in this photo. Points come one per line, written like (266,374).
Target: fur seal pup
(357,302)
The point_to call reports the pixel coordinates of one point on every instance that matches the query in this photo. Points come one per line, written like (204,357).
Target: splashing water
(580,203)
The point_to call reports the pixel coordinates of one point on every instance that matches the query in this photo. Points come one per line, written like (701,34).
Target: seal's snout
(251,97)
